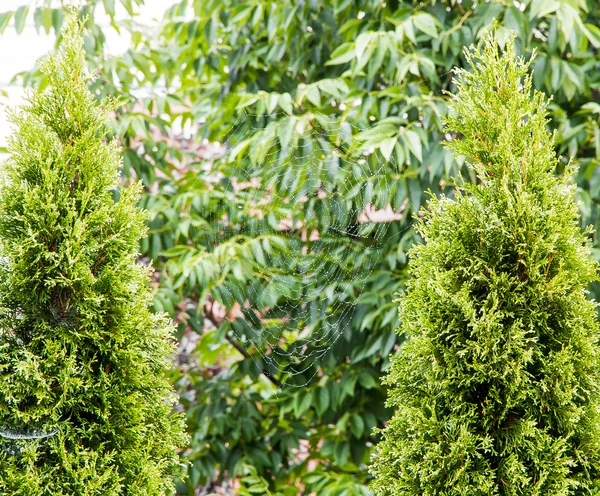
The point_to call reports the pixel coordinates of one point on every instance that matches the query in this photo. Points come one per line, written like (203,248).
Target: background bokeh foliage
(254,77)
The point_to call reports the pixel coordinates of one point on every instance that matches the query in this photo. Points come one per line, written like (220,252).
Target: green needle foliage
(85,404)
(497,391)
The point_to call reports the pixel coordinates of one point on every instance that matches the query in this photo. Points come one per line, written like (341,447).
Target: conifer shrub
(85,404)
(497,390)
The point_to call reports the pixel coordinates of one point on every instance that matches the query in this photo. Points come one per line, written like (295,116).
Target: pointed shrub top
(61,177)
(501,120)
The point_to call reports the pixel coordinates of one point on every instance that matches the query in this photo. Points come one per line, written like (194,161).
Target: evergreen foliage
(85,404)
(497,390)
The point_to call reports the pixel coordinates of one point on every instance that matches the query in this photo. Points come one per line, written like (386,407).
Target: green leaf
(139,126)
(257,16)
(286,132)
(556,73)
(541,8)
(42,18)
(567,15)
(342,54)
(348,385)
(5,18)
(272,101)
(313,95)
(247,100)
(425,22)
(257,250)
(302,402)
(357,426)
(361,44)
(20,18)
(109,7)
(592,33)
(409,30)
(341,452)
(178,251)
(572,72)
(273,22)
(323,400)
(57,19)
(413,142)
(592,107)
(128,6)
(387,147)
(366,380)
(286,103)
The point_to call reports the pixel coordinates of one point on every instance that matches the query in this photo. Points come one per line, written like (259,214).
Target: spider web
(281,169)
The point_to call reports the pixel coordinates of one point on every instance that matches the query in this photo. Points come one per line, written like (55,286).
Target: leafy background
(312,110)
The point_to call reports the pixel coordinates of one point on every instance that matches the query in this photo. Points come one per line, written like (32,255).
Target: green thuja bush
(85,405)
(497,390)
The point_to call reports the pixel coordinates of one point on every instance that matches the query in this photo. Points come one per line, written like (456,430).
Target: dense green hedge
(300,89)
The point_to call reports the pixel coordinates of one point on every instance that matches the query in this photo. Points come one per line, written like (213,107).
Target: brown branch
(208,313)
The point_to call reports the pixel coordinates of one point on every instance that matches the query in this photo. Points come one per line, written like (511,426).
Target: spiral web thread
(373,221)
(26,435)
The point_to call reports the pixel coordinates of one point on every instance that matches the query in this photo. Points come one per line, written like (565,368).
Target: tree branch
(210,316)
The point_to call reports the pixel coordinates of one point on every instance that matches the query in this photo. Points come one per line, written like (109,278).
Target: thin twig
(208,313)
